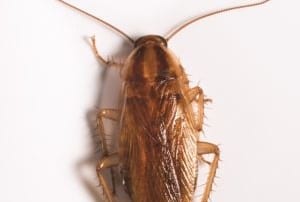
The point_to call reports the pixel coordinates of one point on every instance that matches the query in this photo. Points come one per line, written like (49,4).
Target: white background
(247,61)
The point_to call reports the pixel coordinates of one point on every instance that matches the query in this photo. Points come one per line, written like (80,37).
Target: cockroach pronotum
(160,120)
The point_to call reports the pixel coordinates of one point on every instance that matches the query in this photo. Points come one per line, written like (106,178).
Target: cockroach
(160,120)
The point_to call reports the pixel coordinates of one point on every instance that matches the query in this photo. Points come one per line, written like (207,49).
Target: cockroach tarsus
(160,121)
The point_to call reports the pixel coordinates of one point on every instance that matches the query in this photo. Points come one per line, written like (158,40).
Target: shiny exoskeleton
(160,121)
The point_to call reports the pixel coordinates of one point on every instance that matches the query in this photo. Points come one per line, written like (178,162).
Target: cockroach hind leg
(108,62)
(112,114)
(105,163)
(208,148)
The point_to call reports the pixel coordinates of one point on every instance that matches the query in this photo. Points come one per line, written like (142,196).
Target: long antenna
(180,27)
(100,20)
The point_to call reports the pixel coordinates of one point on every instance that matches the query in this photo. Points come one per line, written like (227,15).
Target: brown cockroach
(160,121)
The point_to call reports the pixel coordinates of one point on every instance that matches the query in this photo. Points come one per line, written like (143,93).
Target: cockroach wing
(158,144)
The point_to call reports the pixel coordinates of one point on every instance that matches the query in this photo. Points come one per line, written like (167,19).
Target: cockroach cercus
(160,120)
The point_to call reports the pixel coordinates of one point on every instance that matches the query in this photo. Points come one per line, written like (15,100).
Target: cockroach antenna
(184,25)
(173,32)
(100,20)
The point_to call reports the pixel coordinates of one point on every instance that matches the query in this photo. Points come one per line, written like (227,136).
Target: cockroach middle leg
(209,148)
(195,95)
(112,114)
(107,162)
(108,62)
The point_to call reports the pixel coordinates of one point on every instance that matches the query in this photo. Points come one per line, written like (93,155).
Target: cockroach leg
(112,114)
(201,158)
(108,62)
(94,47)
(208,148)
(195,95)
(106,162)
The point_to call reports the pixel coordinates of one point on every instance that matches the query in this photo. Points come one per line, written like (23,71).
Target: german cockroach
(160,121)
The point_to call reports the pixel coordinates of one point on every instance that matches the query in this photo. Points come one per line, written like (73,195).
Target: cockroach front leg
(101,58)
(112,114)
(107,162)
(208,148)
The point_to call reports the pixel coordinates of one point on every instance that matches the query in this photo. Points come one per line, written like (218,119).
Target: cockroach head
(151,39)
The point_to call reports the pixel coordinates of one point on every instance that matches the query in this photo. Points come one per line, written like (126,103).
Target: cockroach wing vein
(158,145)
